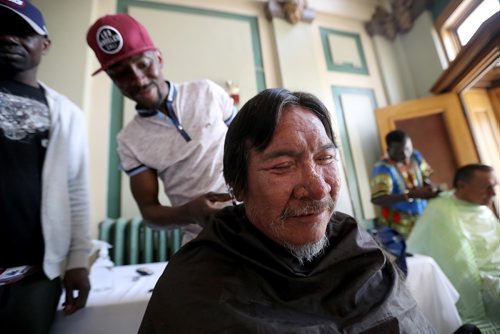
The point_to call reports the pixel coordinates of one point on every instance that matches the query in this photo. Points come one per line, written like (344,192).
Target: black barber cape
(233,279)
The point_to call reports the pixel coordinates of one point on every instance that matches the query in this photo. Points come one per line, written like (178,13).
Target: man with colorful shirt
(462,234)
(400,184)
(178,132)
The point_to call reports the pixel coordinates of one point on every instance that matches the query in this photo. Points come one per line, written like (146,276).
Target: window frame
(454,14)
(478,56)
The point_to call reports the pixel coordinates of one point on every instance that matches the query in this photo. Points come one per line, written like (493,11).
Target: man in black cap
(44,204)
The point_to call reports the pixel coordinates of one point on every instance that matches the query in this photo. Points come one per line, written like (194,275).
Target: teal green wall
(437,7)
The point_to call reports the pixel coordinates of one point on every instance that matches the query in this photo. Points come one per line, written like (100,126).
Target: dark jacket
(234,279)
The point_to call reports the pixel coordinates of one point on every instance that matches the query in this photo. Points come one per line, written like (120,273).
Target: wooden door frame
(449,105)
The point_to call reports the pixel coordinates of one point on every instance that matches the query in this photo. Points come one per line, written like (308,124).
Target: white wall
(67,68)
(292,57)
(62,66)
(421,55)
(388,63)
(411,63)
(303,67)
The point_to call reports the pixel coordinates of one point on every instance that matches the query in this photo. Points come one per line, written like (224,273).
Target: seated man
(463,235)
(283,261)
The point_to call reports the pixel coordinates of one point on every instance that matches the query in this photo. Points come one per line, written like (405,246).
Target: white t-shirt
(187,169)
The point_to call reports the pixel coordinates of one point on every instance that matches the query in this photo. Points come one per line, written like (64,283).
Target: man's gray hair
(254,125)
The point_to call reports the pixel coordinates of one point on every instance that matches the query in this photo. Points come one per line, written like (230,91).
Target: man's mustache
(308,207)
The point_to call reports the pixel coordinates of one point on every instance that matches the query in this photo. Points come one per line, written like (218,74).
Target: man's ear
(46,43)
(460,184)
(236,196)
(159,57)
(460,190)
(239,197)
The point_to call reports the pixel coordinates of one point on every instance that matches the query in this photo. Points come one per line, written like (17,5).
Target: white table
(433,292)
(118,309)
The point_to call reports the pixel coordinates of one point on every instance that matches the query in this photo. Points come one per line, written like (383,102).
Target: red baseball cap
(117,37)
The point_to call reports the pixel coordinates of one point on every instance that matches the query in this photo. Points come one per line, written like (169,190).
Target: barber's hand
(76,280)
(205,205)
(425,192)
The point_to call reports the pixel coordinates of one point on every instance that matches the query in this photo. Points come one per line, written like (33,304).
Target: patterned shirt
(24,131)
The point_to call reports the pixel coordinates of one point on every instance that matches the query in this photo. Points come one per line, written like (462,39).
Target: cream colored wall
(219,49)
(300,57)
(359,129)
(292,57)
(411,63)
(61,67)
(98,104)
(69,65)
(388,63)
(303,67)
(421,55)
(250,8)
(67,69)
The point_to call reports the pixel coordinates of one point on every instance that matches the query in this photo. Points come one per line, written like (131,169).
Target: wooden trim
(456,12)
(494,95)
(477,55)
(448,22)
(449,105)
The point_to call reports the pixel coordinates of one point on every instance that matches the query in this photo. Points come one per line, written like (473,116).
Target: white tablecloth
(433,292)
(120,308)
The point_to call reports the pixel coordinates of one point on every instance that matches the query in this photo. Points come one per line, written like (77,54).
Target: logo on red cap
(109,40)
(117,37)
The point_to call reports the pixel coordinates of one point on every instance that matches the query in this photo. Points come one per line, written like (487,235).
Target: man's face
(294,183)
(140,79)
(400,151)
(21,48)
(480,189)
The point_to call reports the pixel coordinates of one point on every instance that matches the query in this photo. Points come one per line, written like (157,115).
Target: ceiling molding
(361,10)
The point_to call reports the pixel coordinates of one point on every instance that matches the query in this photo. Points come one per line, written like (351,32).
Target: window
(460,20)
(482,12)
